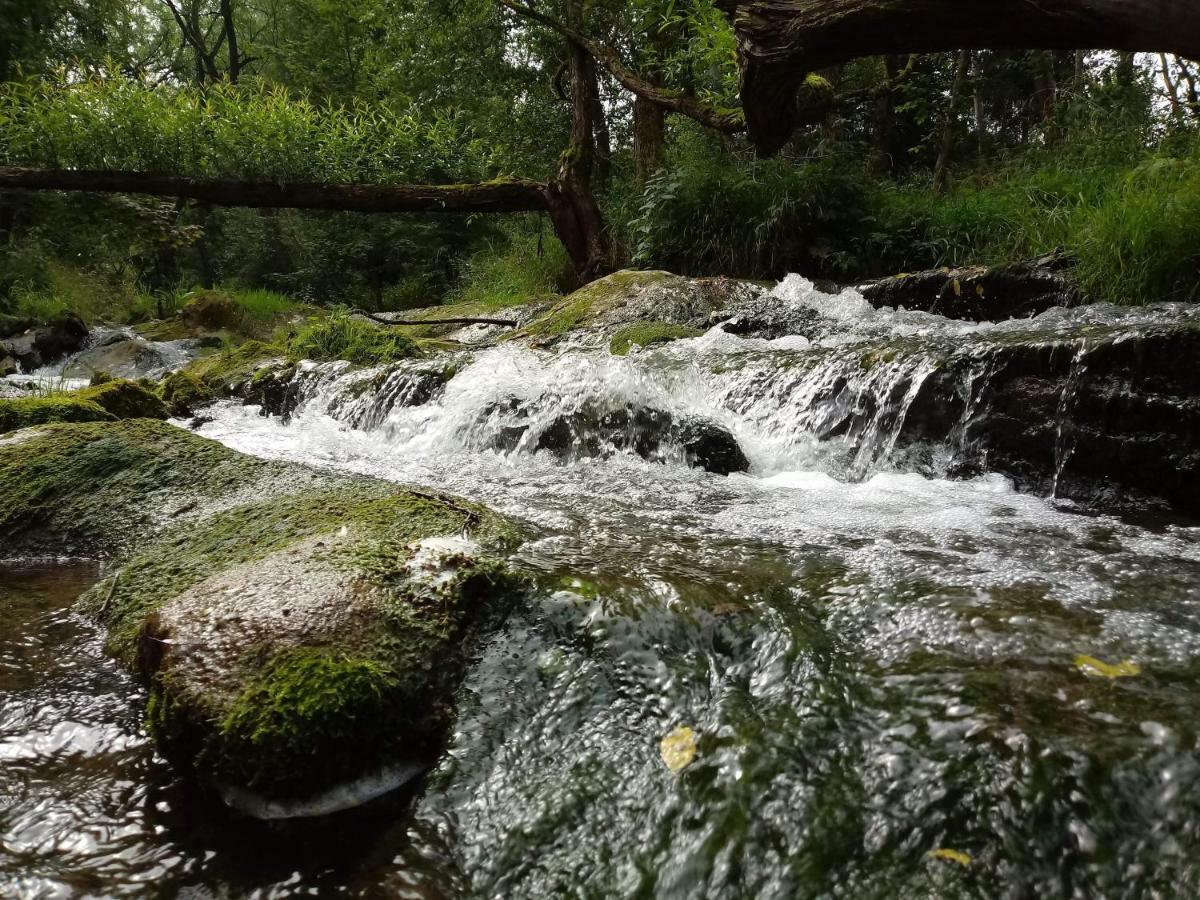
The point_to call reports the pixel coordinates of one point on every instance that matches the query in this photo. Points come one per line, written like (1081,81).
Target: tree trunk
(883,137)
(1125,69)
(600,132)
(572,204)
(942,169)
(781,41)
(231,41)
(649,137)
(1172,91)
(1193,95)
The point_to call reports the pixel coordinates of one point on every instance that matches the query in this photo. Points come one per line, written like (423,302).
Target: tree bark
(780,41)
(1172,90)
(649,137)
(231,41)
(1193,95)
(941,170)
(883,138)
(571,202)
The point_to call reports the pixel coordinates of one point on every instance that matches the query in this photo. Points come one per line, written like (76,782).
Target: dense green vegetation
(1094,153)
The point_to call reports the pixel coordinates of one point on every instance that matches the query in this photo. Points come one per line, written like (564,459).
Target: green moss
(90,487)
(102,402)
(644,334)
(309,701)
(214,376)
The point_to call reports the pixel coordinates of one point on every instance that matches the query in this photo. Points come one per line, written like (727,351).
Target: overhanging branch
(724,120)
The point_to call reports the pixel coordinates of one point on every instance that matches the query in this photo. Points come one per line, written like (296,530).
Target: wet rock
(8,365)
(980,293)
(46,344)
(594,431)
(1109,416)
(710,447)
(296,630)
(123,357)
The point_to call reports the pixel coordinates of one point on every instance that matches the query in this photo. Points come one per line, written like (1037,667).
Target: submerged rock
(594,431)
(296,630)
(981,293)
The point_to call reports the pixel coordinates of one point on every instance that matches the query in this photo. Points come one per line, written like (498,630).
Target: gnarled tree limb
(780,41)
(724,120)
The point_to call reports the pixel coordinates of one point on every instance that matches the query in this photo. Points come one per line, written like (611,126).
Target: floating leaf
(678,748)
(1089,665)
(954,856)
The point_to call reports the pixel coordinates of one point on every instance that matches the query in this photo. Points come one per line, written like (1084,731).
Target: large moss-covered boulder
(296,630)
(98,403)
(606,308)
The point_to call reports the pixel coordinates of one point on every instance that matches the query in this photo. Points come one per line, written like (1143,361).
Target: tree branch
(508,323)
(727,121)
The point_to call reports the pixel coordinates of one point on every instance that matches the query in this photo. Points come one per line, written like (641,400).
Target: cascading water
(879,662)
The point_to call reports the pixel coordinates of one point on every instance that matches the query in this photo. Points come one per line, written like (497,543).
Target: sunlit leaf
(678,748)
(1089,665)
(954,856)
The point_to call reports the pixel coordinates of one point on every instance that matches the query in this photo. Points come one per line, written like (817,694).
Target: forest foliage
(1094,153)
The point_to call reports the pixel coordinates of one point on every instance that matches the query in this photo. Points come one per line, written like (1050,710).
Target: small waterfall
(1065,427)
(860,391)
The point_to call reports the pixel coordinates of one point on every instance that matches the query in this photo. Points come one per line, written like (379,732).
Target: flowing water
(878,662)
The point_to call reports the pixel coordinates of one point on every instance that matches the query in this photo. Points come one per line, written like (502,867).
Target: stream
(901,684)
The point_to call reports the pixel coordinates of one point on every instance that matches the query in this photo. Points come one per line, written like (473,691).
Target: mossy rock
(628,298)
(646,334)
(222,374)
(103,402)
(289,644)
(211,311)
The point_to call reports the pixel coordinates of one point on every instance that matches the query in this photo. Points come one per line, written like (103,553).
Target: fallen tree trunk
(502,195)
(569,201)
(781,41)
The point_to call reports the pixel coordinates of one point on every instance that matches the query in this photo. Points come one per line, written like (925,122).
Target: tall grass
(342,336)
(1129,213)
(525,262)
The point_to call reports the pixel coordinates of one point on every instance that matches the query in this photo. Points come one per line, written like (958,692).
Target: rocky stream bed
(677,588)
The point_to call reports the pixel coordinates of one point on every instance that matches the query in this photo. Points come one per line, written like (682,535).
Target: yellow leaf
(979,289)
(955,856)
(957,287)
(1089,665)
(678,748)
